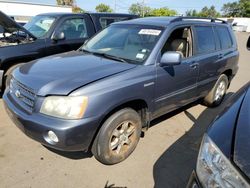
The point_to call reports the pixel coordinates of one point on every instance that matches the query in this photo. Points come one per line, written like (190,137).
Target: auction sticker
(149,32)
(139,56)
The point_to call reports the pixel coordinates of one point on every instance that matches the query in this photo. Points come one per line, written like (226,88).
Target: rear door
(207,50)
(228,55)
(76,30)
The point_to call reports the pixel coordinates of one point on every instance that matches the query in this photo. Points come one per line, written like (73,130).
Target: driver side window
(74,28)
(180,41)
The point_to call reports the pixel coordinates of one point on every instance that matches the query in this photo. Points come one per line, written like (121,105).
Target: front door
(76,31)
(177,85)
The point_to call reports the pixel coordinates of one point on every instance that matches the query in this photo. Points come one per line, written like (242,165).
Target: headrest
(178,44)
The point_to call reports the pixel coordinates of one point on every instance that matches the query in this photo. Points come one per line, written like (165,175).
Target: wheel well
(139,106)
(7,65)
(229,74)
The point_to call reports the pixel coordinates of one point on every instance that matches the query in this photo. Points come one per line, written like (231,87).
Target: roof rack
(181,18)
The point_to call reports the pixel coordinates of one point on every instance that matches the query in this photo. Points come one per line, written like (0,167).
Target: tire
(7,75)
(216,95)
(118,137)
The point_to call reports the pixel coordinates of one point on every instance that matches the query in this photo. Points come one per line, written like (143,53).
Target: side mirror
(170,59)
(58,36)
(248,43)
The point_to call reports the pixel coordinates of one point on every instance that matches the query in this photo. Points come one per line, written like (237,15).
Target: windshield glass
(40,25)
(132,43)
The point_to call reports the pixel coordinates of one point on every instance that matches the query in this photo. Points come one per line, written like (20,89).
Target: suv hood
(61,74)
(242,137)
(9,25)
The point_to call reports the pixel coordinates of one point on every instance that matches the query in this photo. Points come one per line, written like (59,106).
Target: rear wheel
(118,137)
(216,95)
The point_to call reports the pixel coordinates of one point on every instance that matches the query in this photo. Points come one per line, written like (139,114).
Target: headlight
(65,107)
(214,169)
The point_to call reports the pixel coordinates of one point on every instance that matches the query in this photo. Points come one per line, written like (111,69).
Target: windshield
(40,25)
(132,43)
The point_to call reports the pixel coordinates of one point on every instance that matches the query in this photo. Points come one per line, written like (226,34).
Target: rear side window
(205,39)
(225,38)
(105,21)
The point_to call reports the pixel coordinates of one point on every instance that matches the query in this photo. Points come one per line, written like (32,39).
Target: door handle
(194,65)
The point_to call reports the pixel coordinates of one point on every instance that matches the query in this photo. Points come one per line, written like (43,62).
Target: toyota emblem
(18,94)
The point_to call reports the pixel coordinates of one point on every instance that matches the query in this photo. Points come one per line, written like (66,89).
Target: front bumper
(193,181)
(73,135)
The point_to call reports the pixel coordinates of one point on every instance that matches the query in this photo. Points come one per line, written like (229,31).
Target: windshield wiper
(86,51)
(108,56)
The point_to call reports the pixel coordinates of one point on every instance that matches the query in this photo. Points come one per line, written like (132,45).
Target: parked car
(102,96)
(47,34)
(224,153)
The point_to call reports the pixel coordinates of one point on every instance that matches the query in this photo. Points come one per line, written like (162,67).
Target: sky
(122,5)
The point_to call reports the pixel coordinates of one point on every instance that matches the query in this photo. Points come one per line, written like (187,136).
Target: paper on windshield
(150,32)
(139,56)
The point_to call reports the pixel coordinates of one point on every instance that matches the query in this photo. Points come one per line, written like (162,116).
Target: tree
(231,9)
(65,2)
(77,9)
(209,12)
(205,12)
(103,8)
(164,11)
(237,9)
(244,6)
(71,3)
(139,9)
(192,13)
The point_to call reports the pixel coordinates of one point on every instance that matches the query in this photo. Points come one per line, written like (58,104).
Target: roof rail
(181,18)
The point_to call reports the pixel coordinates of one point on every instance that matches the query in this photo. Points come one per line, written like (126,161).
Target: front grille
(23,95)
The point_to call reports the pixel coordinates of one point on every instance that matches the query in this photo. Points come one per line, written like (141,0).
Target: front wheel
(118,137)
(216,95)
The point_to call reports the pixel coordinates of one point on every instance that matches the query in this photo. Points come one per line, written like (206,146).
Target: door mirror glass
(170,58)
(58,36)
(248,43)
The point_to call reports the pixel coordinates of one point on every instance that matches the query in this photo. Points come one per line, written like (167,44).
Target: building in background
(239,24)
(22,12)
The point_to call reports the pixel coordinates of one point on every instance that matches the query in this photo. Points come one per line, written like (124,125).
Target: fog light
(52,136)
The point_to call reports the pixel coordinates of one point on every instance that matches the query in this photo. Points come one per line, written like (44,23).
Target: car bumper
(73,135)
(193,181)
